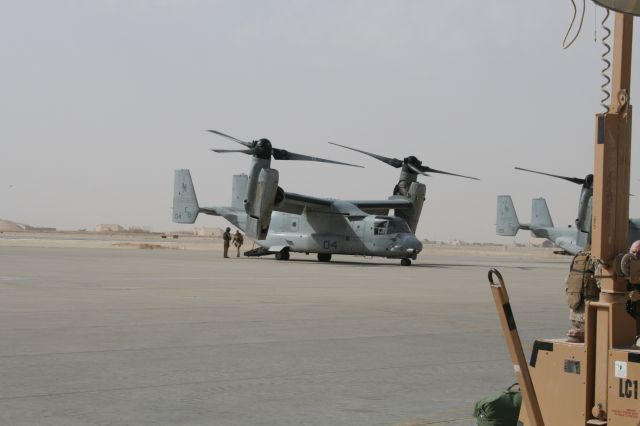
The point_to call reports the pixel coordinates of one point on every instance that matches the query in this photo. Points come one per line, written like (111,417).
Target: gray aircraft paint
(306,224)
(308,232)
(570,239)
(317,232)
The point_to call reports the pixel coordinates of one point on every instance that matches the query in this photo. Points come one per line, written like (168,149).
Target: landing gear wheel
(405,262)
(324,257)
(282,254)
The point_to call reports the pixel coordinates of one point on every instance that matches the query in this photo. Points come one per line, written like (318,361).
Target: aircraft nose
(413,244)
(409,244)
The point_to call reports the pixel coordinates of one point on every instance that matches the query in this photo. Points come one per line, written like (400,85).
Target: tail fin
(540,217)
(507,220)
(239,190)
(185,203)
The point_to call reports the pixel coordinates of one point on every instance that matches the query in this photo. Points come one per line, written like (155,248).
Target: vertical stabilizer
(185,203)
(507,220)
(239,190)
(540,216)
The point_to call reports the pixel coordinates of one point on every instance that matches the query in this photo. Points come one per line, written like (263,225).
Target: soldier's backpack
(499,409)
(581,284)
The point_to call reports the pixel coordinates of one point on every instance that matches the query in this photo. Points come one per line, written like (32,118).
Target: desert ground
(143,330)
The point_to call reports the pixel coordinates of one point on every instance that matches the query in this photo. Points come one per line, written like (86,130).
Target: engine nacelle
(260,206)
(416,194)
(280,195)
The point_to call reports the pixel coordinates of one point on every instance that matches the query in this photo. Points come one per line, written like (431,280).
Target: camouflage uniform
(238,241)
(226,238)
(581,287)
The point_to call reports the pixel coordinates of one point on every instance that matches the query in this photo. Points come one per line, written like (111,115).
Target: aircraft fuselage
(317,232)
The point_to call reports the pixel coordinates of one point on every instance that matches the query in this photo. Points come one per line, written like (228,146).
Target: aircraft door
(354,237)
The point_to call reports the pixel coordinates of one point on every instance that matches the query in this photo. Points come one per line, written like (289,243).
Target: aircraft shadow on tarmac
(361,264)
(394,265)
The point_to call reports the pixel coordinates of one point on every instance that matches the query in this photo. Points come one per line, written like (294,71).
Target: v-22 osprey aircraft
(571,240)
(282,222)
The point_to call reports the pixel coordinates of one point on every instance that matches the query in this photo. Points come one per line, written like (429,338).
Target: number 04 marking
(327,245)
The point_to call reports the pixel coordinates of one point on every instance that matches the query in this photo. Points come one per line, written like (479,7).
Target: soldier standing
(237,241)
(226,238)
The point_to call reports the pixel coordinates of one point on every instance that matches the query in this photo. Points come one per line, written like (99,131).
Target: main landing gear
(283,254)
(324,257)
(405,262)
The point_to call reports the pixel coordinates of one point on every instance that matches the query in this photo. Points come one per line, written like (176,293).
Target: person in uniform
(226,239)
(581,287)
(237,241)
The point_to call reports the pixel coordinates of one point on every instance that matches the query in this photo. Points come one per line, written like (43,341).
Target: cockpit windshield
(397,226)
(390,226)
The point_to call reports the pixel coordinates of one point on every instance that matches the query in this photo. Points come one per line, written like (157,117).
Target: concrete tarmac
(117,336)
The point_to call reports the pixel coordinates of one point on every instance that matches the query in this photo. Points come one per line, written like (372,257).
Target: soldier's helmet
(228,229)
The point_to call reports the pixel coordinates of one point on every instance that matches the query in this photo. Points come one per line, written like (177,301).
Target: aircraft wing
(296,203)
(382,207)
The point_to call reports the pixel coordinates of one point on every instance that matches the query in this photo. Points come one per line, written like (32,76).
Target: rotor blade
(227,151)
(430,170)
(417,170)
(570,179)
(247,144)
(282,154)
(394,162)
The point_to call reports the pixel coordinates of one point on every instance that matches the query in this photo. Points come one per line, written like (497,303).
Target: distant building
(138,230)
(207,232)
(108,227)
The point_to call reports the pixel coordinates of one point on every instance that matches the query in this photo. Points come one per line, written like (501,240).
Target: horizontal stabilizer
(568,245)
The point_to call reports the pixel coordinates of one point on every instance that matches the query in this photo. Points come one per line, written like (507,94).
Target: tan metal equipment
(597,382)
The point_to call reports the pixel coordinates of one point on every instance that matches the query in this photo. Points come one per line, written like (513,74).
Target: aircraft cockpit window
(397,227)
(380,227)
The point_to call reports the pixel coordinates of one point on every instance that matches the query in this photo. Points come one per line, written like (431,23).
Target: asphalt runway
(106,336)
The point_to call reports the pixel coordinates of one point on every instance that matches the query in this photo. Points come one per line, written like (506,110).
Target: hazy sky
(102,100)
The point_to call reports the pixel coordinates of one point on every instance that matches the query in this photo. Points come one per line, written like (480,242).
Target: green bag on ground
(499,409)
